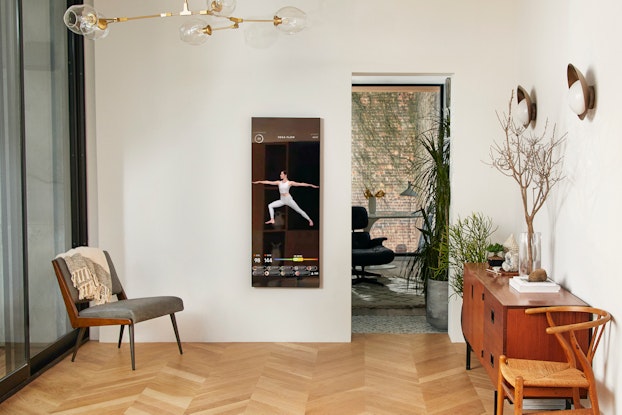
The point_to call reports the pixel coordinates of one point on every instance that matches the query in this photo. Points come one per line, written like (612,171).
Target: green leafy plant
(494,248)
(431,179)
(468,242)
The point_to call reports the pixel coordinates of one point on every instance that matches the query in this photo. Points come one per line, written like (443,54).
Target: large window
(41,185)
(387,124)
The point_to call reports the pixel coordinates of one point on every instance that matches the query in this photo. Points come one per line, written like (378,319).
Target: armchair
(365,250)
(123,312)
(523,378)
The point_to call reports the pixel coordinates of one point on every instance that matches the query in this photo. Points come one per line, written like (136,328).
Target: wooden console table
(494,320)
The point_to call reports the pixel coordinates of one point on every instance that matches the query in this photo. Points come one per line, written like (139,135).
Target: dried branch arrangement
(533,161)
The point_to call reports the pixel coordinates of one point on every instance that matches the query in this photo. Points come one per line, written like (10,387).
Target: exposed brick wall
(385,127)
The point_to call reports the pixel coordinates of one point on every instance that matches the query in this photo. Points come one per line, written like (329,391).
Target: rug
(397,292)
(392,324)
(397,306)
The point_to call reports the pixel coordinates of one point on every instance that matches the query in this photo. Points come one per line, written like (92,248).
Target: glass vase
(527,264)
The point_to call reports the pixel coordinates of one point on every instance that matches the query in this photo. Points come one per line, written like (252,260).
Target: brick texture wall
(385,127)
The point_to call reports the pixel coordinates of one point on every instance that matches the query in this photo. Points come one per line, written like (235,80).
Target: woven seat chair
(520,378)
(123,312)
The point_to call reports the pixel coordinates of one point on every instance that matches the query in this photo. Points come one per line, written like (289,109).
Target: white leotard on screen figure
(284,187)
(286,200)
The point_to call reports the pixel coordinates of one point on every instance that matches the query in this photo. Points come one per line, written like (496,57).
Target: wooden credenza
(494,320)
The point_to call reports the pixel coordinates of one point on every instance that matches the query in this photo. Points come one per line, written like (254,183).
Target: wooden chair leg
(120,336)
(499,400)
(576,398)
(78,341)
(518,396)
(174,321)
(500,395)
(591,392)
(132,345)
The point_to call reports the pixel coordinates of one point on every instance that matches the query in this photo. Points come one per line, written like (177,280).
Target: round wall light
(580,94)
(526,110)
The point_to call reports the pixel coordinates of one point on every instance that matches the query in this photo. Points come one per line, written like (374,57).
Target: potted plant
(468,242)
(495,254)
(431,179)
(495,249)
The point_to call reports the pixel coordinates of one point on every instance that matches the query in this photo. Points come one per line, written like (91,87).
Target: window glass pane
(47,164)
(12,323)
(387,124)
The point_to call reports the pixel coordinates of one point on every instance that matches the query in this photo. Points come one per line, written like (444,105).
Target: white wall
(172,129)
(173,153)
(581,220)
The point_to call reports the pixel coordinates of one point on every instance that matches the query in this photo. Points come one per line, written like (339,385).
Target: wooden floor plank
(378,374)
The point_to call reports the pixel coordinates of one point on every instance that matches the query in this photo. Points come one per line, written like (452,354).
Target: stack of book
(522,285)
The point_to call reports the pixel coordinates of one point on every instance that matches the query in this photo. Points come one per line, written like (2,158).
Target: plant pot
(495,261)
(437,304)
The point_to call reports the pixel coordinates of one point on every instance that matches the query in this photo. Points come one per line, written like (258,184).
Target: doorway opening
(389,115)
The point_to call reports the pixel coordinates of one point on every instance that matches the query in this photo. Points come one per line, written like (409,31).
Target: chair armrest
(377,241)
(556,309)
(605,317)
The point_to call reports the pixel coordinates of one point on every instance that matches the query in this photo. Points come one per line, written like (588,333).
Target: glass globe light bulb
(97,34)
(522,113)
(223,7)
(195,32)
(576,99)
(84,20)
(293,20)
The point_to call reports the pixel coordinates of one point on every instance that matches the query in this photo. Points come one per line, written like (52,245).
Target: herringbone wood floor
(381,374)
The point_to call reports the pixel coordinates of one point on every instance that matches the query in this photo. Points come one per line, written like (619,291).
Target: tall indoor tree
(532,160)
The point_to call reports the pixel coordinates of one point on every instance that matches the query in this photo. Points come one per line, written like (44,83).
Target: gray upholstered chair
(122,312)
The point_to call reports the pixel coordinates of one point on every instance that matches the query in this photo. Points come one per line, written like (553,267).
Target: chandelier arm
(151,16)
(233,26)
(257,20)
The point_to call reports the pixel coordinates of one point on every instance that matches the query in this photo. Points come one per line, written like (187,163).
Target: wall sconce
(526,111)
(581,96)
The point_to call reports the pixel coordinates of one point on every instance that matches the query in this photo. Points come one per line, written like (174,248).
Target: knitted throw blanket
(89,277)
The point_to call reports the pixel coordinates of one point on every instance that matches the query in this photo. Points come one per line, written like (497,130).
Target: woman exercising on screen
(286,199)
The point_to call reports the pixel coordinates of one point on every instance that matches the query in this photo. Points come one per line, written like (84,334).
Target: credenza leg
(468,356)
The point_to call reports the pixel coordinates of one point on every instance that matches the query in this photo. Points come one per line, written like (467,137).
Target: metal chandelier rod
(88,22)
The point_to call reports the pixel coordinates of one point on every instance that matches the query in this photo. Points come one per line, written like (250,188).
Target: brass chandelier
(85,20)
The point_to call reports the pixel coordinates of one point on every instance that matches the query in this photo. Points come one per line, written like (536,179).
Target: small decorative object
(511,256)
(371,199)
(537,275)
(510,244)
(511,262)
(371,205)
(522,285)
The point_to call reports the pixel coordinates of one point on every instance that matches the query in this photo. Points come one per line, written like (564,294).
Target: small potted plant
(468,239)
(495,254)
